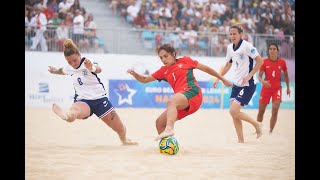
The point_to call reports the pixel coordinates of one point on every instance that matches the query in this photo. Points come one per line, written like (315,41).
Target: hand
(246,79)
(266,84)
(52,69)
(288,92)
(227,83)
(131,71)
(215,83)
(88,64)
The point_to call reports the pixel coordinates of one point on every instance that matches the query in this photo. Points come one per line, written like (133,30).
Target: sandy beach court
(89,149)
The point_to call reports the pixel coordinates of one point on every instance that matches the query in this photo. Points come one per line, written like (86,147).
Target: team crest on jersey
(85,72)
(253,51)
(241,56)
(279,67)
(180,65)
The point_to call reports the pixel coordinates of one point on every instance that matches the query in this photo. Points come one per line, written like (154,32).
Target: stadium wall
(42,88)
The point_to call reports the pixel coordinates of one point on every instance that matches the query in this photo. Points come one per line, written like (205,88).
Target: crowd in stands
(191,21)
(48,23)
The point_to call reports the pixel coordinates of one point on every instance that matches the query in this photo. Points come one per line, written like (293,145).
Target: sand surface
(90,150)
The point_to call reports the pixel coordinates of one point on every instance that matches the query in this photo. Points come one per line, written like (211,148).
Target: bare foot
(57,109)
(128,142)
(259,130)
(164,134)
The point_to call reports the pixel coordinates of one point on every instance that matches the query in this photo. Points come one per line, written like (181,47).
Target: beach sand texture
(89,149)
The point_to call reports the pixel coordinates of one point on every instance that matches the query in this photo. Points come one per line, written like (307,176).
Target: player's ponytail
(69,48)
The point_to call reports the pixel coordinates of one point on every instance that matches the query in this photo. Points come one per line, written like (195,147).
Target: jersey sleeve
(159,74)
(66,70)
(251,51)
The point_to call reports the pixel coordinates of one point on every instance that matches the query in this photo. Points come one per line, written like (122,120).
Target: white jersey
(243,57)
(87,85)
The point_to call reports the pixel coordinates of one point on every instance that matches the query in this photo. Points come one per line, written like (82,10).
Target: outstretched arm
(222,72)
(212,72)
(225,68)
(141,78)
(54,70)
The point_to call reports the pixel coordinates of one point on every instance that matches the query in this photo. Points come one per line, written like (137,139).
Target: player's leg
(263,102)
(176,102)
(243,98)
(274,116)
(78,110)
(112,119)
(161,122)
(261,111)
(234,110)
(276,100)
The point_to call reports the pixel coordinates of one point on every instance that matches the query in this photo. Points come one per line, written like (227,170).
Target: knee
(275,112)
(233,113)
(171,102)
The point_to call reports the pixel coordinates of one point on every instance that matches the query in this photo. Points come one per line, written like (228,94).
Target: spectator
(62,34)
(78,25)
(91,39)
(132,11)
(41,26)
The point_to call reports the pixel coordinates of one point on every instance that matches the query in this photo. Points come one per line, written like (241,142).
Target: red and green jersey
(180,75)
(273,70)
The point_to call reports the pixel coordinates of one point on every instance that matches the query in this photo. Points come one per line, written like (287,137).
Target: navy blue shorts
(100,107)
(242,95)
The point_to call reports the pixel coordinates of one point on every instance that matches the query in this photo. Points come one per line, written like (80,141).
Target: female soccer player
(90,95)
(242,54)
(187,96)
(271,85)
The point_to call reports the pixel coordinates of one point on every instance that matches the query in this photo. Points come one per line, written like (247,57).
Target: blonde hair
(69,48)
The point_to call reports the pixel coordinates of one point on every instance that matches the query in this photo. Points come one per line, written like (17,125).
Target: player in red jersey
(187,96)
(271,85)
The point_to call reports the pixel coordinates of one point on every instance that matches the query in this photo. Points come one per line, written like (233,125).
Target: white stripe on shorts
(106,113)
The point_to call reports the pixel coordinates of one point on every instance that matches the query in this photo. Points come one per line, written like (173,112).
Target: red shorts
(267,93)
(194,105)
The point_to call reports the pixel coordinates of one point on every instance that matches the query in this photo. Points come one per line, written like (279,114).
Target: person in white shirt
(41,27)
(248,61)
(78,29)
(90,94)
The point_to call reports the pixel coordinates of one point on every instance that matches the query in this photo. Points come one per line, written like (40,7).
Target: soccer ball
(169,145)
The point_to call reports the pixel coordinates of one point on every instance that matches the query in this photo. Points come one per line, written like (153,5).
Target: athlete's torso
(273,70)
(87,84)
(180,75)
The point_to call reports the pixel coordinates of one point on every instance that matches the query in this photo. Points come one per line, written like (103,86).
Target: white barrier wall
(42,88)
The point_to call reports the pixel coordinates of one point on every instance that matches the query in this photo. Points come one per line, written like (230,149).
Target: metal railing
(144,42)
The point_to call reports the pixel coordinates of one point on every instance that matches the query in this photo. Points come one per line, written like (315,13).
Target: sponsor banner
(131,93)
(43,94)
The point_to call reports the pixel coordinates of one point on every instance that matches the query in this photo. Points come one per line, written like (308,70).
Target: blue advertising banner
(131,93)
